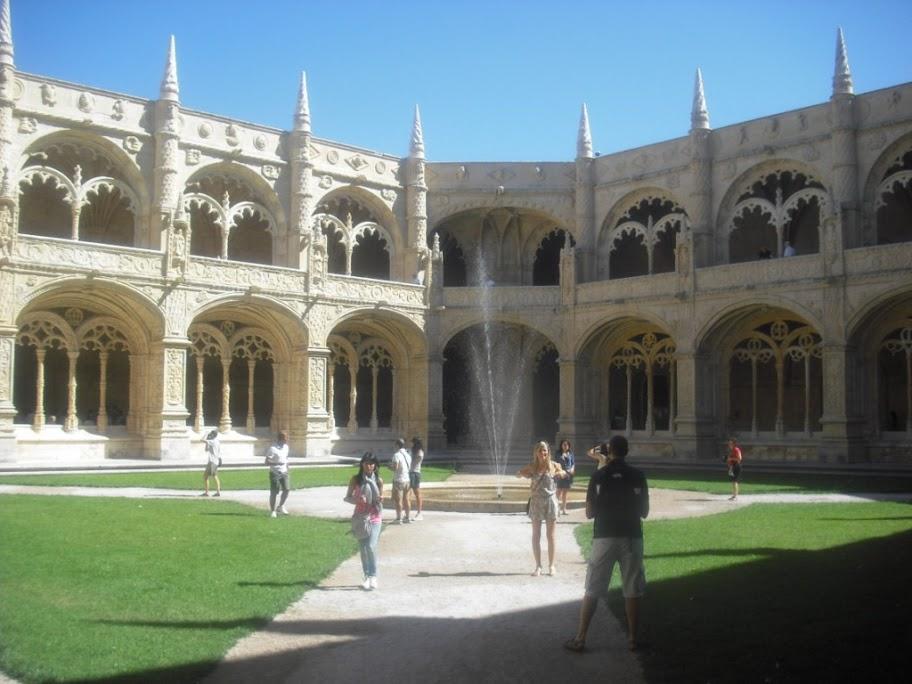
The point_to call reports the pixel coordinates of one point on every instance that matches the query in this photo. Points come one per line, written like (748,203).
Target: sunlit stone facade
(165,271)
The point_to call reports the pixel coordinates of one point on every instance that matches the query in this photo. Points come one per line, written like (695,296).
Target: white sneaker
(272,514)
(372,580)
(366,584)
(283,510)
(418,517)
(406,521)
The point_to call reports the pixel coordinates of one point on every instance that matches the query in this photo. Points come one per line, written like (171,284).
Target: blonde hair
(535,461)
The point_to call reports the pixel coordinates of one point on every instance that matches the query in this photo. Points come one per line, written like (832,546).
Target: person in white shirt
(277,460)
(400,465)
(788,250)
(213,461)
(415,474)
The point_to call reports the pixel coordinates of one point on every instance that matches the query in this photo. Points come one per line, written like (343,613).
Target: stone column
(102,422)
(701,163)
(7,408)
(628,424)
(331,393)
(373,422)
(167,437)
(299,234)
(199,419)
(780,396)
(353,398)
(38,422)
(694,423)
(842,423)
(844,145)
(318,439)
(71,422)
(251,422)
(225,419)
(436,435)
(167,148)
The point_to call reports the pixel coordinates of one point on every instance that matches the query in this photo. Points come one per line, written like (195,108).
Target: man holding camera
(618,499)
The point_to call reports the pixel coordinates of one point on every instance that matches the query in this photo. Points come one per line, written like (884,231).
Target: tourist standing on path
(365,490)
(415,474)
(401,465)
(618,499)
(568,463)
(733,461)
(542,472)
(277,460)
(213,461)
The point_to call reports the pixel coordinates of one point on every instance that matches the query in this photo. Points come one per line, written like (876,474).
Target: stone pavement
(456,601)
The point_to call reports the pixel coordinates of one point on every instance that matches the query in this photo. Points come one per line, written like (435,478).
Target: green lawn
(776,593)
(102,588)
(231,479)
(756,482)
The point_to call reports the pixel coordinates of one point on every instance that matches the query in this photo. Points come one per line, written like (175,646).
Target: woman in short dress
(568,463)
(213,460)
(543,473)
(365,490)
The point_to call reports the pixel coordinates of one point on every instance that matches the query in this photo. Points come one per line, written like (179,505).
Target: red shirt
(734,456)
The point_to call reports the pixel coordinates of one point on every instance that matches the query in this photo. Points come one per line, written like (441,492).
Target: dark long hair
(416,444)
(368,458)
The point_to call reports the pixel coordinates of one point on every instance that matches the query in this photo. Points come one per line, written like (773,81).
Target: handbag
(529,506)
(360,527)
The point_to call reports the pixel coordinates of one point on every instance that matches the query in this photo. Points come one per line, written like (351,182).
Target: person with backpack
(618,499)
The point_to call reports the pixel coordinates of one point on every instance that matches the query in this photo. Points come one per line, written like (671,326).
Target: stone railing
(760,273)
(242,275)
(361,290)
(502,297)
(68,255)
(896,257)
(624,289)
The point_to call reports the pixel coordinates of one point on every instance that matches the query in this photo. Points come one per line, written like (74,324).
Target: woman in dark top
(568,463)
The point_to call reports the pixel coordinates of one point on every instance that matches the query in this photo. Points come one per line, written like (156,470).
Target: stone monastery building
(165,271)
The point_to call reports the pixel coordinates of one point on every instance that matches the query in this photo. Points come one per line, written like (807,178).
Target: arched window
(643,240)
(893,202)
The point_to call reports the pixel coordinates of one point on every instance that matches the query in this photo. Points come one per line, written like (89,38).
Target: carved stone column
(167,148)
(198,419)
(102,422)
(374,423)
(318,438)
(167,437)
(415,202)
(301,179)
(353,398)
(38,421)
(436,436)
(225,418)
(570,420)
(7,408)
(71,422)
(251,421)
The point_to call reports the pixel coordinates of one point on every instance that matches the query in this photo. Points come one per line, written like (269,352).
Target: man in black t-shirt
(618,499)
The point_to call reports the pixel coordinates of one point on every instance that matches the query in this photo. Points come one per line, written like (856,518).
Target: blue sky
(494,80)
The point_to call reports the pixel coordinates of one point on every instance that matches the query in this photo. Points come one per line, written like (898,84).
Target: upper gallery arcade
(165,271)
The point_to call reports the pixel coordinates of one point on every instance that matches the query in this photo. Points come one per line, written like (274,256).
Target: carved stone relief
(174,376)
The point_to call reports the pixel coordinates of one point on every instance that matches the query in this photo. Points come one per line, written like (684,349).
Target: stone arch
(103,199)
(491,371)
(287,331)
(627,365)
(783,199)
(887,215)
(230,203)
(879,344)
(638,234)
(763,359)
(356,220)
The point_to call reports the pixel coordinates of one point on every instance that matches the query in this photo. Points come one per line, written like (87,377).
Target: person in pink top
(733,461)
(365,491)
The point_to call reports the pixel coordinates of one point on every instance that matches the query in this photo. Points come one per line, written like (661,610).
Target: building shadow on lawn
(836,615)
(518,646)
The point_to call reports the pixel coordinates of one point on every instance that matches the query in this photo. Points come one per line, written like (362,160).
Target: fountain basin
(482,498)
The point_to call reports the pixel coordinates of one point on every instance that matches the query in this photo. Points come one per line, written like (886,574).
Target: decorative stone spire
(699,114)
(302,115)
(416,146)
(842,76)
(169,87)
(6,34)
(584,137)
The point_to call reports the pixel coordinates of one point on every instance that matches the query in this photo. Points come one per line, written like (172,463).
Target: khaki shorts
(626,552)
(400,490)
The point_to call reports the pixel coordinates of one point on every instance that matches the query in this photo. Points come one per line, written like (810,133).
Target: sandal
(537,572)
(575,645)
